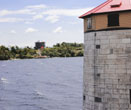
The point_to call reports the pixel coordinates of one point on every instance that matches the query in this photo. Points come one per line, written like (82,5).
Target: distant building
(39,45)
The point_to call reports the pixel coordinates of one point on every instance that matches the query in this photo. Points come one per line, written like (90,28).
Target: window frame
(89,23)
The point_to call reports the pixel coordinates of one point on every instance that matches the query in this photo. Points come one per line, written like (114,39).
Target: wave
(38,93)
(4,80)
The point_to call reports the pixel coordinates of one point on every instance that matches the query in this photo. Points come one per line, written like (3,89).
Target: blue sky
(23,22)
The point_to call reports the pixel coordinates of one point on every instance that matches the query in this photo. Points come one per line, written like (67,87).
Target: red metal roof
(110,6)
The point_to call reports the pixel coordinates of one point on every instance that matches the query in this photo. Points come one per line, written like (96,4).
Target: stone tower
(107,56)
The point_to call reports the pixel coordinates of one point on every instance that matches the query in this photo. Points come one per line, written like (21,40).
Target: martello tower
(107,57)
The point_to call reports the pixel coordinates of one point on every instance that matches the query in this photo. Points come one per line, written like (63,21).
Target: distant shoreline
(58,50)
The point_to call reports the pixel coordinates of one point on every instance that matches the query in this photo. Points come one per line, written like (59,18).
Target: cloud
(16,12)
(35,12)
(41,6)
(30,30)
(28,22)
(66,12)
(39,16)
(13,31)
(27,10)
(58,30)
(53,15)
(10,20)
(52,19)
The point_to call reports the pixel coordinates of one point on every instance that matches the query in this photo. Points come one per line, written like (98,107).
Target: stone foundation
(107,70)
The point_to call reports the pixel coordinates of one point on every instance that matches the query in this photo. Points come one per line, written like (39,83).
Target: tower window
(98,75)
(98,46)
(89,23)
(113,20)
(98,99)
(84,97)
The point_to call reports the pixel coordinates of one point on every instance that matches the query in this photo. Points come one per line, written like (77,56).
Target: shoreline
(37,58)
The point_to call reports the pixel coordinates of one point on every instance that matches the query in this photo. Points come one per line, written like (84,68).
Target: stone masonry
(107,70)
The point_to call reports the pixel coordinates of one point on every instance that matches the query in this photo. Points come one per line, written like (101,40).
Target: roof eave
(82,17)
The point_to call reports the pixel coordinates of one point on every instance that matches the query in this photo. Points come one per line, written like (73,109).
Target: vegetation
(58,50)
(5,53)
(64,50)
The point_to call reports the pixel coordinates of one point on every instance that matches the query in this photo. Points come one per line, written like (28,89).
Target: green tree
(4,53)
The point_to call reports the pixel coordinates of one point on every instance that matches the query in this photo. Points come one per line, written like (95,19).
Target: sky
(24,22)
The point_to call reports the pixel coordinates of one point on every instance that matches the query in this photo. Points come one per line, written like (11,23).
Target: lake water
(41,84)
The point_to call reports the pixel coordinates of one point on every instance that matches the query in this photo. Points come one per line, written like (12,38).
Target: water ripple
(41,84)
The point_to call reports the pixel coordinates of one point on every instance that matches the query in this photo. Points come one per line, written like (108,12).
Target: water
(41,84)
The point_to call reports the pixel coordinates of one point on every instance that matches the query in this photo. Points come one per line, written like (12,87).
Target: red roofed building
(117,11)
(107,56)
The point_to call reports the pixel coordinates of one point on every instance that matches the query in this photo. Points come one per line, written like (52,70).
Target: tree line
(58,50)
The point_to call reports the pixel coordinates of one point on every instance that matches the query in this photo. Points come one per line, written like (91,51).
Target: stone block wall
(107,70)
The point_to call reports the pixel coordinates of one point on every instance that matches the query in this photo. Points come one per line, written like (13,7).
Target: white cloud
(11,20)
(27,10)
(41,6)
(16,12)
(58,30)
(13,31)
(30,30)
(52,19)
(4,12)
(66,12)
(36,12)
(28,22)
(37,17)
